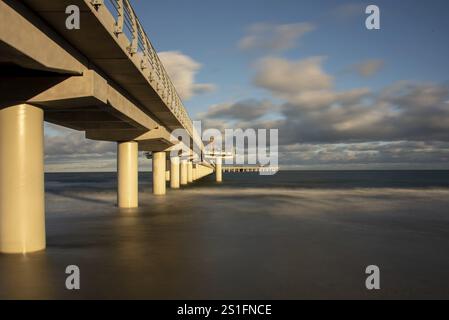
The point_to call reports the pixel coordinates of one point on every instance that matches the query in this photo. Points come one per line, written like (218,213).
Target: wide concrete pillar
(174,173)
(218,170)
(183,171)
(194,172)
(159,187)
(127,173)
(189,172)
(22,206)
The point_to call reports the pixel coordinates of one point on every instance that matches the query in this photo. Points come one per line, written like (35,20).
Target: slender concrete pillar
(127,172)
(167,170)
(159,173)
(184,170)
(189,172)
(174,173)
(194,172)
(22,206)
(218,168)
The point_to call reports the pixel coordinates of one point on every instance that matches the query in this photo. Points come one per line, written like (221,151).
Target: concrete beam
(74,91)
(27,41)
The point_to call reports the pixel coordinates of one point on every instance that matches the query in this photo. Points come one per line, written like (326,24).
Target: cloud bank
(405,123)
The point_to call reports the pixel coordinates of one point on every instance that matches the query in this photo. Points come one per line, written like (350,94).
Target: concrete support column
(218,168)
(194,172)
(167,170)
(22,206)
(127,173)
(174,172)
(159,182)
(189,172)
(184,170)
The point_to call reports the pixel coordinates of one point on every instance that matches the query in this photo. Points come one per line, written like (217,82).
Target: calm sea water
(294,235)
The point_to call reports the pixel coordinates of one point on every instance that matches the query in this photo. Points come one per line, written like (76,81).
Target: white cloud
(70,142)
(182,70)
(313,111)
(264,36)
(286,78)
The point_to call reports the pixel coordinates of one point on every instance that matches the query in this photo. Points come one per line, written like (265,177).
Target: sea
(292,235)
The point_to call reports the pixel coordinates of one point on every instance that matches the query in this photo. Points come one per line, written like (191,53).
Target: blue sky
(342,96)
(412,41)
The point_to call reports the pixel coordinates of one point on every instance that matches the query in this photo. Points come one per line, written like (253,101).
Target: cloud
(418,113)
(368,68)
(287,78)
(69,150)
(394,154)
(69,142)
(271,37)
(313,111)
(246,110)
(182,70)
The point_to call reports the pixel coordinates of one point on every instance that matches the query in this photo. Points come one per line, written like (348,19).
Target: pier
(104,79)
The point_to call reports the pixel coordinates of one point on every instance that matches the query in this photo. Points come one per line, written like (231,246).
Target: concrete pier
(174,172)
(194,173)
(69,75)
(159,182)
(218,170)
(22,206)
(167,169)
(189,172)
(127,174)
(184,170)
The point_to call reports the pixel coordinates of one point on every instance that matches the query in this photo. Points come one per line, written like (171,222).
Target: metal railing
(127,22)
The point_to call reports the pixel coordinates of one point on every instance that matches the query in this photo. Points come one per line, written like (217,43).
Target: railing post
(118,28)
(96,3)
(132,49)
(144,60)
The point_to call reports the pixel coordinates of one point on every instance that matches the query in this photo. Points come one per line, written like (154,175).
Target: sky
(342,96)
